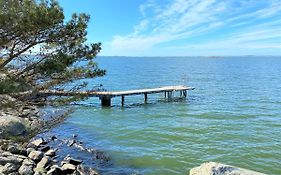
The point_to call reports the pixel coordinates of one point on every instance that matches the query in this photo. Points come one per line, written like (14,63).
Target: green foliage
(67,100)
(13,85)
(38,28)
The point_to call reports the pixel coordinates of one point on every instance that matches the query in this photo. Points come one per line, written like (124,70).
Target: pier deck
(105,97)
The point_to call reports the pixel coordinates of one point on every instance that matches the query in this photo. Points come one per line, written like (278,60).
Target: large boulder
(213,168)
(11,126)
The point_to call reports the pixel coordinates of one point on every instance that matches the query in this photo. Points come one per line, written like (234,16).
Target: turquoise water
(233,116)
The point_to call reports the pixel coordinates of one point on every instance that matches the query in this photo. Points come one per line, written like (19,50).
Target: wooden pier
(105,97)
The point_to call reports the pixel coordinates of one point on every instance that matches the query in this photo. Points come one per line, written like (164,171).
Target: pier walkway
(106,97)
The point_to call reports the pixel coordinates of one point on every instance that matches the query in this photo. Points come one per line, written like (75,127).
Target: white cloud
(182,19)
(250,40)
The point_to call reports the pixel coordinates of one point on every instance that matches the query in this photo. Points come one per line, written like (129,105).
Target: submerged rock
(73,161)
(213,168)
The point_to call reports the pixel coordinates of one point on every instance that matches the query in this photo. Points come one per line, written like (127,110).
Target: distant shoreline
(237,56)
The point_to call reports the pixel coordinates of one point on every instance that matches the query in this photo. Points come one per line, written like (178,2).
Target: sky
(182,27)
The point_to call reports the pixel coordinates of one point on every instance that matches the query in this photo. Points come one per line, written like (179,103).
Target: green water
(233,116)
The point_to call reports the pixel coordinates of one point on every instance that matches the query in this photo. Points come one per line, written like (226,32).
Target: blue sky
(182,27)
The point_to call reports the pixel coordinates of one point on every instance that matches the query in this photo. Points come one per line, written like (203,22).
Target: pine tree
(40,50)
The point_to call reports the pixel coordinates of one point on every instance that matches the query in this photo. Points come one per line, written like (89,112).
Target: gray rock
(45,148)
(38,142)
(55,170)
(36,156)
(14,173)
(9,168)
(28,150)
(63,162)
(2,169)
(6,154)
(213,168)
(74,161)
(93,172)
(13,149)
(10,159)
(3,76)
(81,170)
(68,168)
(71,142)
(19,156)
(40,171)
(29,111)
(45,161)
(50,153)
(28,162)
(26,170)
(24,113)
(11,125)
(4,99)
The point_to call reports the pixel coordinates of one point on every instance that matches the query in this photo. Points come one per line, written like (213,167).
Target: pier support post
(145,97)
(170,94)
(122,100)
(105,101)
(185,93)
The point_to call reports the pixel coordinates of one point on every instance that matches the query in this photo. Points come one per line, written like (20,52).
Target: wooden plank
(150,91)
(117,93)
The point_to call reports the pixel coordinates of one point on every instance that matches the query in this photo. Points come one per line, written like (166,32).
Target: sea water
(233,116)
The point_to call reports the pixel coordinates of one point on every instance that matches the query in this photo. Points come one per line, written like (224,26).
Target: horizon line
(211,56)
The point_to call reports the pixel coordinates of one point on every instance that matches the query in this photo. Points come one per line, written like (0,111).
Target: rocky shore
(22,153)
(40,157)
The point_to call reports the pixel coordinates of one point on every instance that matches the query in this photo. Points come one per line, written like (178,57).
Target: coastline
(23,152)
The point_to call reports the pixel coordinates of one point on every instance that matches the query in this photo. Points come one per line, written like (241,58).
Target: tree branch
(12,56)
